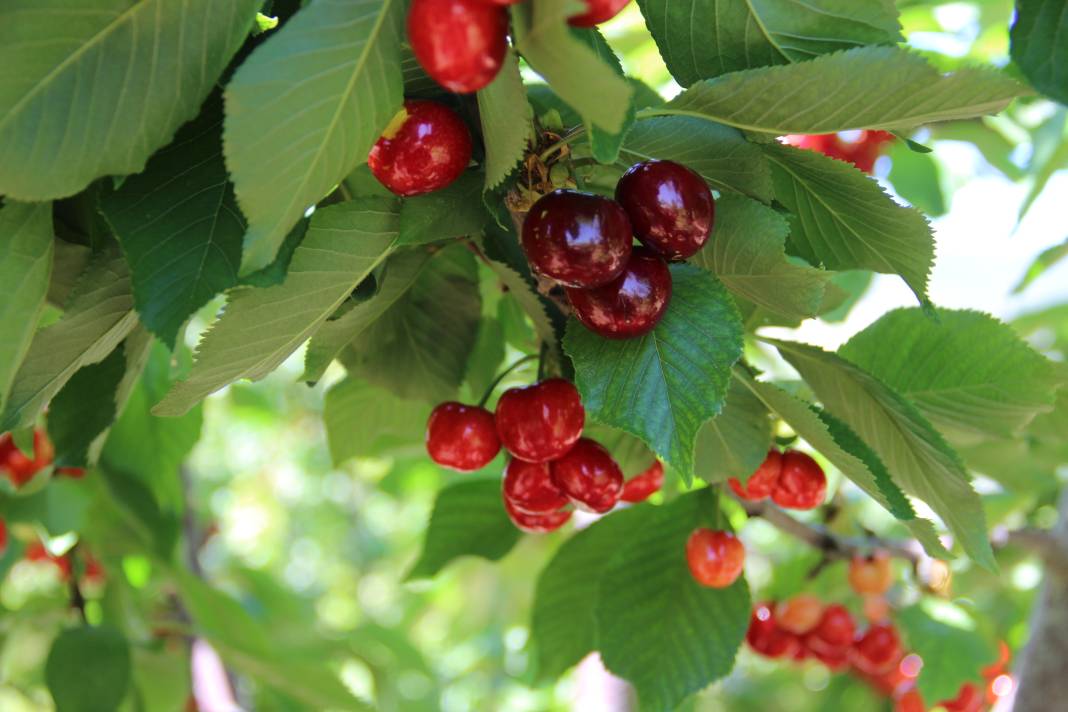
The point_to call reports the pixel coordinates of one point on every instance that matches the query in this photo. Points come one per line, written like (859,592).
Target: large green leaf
(869,87)
(93,88)
(735,442)
(747,252)
(1045,260)
(965,370)
(700,39)
(916,455)
(658,628)
(305,108)
(88,669)
(843,219)
(351,432)
(25,268)
(953,650)
(665,385)
(260,328)
(453,211)
(505,115)
(1039,45)
(179,226)
(84,408)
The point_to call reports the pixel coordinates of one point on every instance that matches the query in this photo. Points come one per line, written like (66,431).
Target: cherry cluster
(861,148)
(791,478)
(584,242)
(20,469)
(93,574)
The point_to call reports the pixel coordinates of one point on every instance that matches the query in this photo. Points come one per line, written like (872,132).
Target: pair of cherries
(461,43)
(859,148)
(792,479)
(21,469)
(584,242)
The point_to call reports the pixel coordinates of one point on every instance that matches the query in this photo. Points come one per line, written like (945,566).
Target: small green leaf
(916,178)
(486,356)
(953,650)
(506,120)
(605,145)
(1038,44)
(397,423)
(88,669)
(735,442)
(453,211)
(1047,259)
(84,408)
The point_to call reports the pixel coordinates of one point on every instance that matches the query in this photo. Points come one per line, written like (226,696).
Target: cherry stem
(502,376)
(575,133)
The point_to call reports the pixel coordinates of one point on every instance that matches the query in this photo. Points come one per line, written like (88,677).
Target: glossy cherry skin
(799,614)
(630,305)
(459,43)
(640,487)
(597,11)
(861,152)
(834,633)
(529,489)
(541,422)
(762,482)
(871,575)
(715,557)
(669,206)
(425,148)
(537,523)
(802,484)
(589,476)
(767,638)
(878,650)
(577,239)
(462,437)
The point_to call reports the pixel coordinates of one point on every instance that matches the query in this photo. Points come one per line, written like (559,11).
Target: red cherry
(762,482)
(969,699)
(835,660)
(460,43)
(18,466)
(834,633)
(75,473)
(802,484)
(36,551)
(716,558)
(799,614)
(589,476)
(461,437)
(425,147)
(669,206)
(577,239)
(878,650)
(94,570)
(541,422)
(630,305)
(871,575)
(528,488)
(537,523)
(640,487)
(597,11)
(3,537)
(909,700)
(767,638)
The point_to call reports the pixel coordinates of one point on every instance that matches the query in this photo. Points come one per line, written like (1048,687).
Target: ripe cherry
(860,148)
(541,422)
(767,638)
(871,574)
(589,476)
(834,633)
(878,650)
(17,465)
(597,11)
(909,700)
(537,523)
(762,482)
(462,437)
(802,484)
(577,239)
(460,43)
(799,614)
(640,487)
(425,147)
(716,558)
(669,206)
(630,305)
(968,699)
(529,489)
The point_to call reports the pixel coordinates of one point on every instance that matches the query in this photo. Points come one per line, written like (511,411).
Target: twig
(77,600)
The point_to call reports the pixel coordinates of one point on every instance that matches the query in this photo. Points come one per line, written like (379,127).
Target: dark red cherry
(802,484)
(640,487)
(537,523)
(460,43)
(425,148)
(761,483)
(630,305)
(589,476)
(577,239)
(669,206)
(766,637)
(461,437)
(597,11)
(834,633)
(716,558)
(878,650)
(541,422)
(529,489)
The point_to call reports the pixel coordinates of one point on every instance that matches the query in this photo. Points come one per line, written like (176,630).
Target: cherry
(577,239)
(767,638)
(669,206)
(537,523)
(589,476)
(861,152)
(541,422)
(716,558)
(871,574)
(94,571)
(799,614)
(640,487)
(36,551)
(20,468)
(75,473)
(3,537)
(834,633)
(762,482)
(878,650)
(835,660)
(802,484)
(425,147)
(460,43)
(909,700)
(461,437)
(630,305)
(528,488)
(597,11)
(968,699)
(876,609)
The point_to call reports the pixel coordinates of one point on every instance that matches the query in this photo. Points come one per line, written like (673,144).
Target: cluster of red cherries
(20,468)
(584,242)
(792,479)
(861,148)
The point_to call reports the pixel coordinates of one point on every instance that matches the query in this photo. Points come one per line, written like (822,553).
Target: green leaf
(453,211)
(179,226)
(966,370)
(65,122)
(630,453)
(506,120)
(665,385)
(843,219)
(699,39)
(915,454)
(397,423)
(719,153)
(735,442)
(604,144)
(747,252)
(916,178)
(88,669)
(486,356)
(468,520)
(260,328)
(25,270)
(658,628)
(1038,44)
(305,108)
(953,650)
(864,88)
(1047,259)
(84,408)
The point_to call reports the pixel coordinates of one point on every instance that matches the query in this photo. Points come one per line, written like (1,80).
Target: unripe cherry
(799,614)
(716,558)
(871,574)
